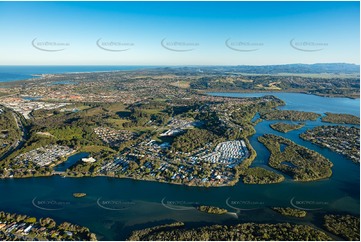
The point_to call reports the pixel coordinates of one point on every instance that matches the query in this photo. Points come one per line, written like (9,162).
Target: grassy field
(181,84)
(93,111)
(116,122)
(116,107)
(152,111)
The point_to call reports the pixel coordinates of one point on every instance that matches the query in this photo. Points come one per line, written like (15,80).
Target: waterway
(114,207)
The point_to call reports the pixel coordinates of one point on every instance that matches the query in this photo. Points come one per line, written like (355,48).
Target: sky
(178,33)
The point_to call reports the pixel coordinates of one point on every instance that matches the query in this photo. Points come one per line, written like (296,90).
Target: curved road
(24,135)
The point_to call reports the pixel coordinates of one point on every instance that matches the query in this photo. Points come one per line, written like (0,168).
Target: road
(24,135)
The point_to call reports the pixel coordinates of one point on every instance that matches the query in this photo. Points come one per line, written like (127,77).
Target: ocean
(16,73)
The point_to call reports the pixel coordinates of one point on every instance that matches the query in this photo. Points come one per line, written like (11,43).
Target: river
(114,207)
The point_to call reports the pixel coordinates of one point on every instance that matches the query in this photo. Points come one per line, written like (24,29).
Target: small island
(293,212)
(292,115)
(284,127)
(295,160)
(212,210)
(340,118)
(258,175)
(78,194)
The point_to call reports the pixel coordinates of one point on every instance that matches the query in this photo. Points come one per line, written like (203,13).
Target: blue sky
(193,33)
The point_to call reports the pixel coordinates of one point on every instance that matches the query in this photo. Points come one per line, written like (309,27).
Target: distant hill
(329,68)
(301,68)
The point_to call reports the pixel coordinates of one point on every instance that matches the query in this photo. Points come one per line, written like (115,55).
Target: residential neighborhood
(17,227)
(113,137)
(44,156)
(149,160)
(341,139)
(229,152)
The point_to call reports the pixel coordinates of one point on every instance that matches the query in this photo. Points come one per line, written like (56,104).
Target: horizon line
(185,65)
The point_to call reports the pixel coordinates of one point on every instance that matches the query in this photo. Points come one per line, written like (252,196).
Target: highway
(24,135)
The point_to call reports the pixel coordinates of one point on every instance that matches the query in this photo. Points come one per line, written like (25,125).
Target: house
(88,160)
(27,230)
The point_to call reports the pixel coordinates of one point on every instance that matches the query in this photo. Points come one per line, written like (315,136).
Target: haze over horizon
(181,65)
(179,33)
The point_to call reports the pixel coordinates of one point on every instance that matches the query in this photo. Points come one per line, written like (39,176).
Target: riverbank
(338,194)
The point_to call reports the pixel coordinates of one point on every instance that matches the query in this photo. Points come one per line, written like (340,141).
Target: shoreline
(238,173)
(130,178)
